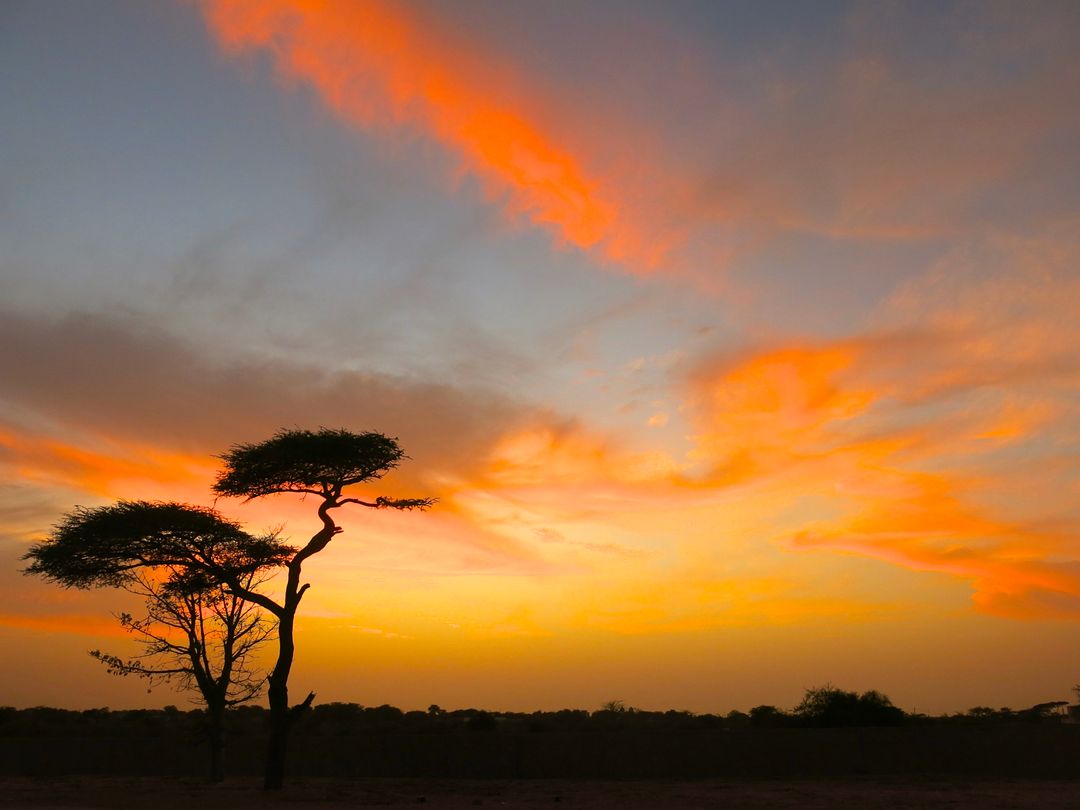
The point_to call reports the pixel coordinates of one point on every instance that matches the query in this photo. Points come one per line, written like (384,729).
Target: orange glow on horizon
(73,623)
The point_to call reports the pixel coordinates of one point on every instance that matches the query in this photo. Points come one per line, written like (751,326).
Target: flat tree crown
(93,547)
(320,462)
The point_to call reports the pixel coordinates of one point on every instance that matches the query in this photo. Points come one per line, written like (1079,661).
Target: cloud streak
(381,67)
(918,441)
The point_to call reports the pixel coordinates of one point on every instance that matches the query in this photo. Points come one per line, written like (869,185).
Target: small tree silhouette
(198,641)
(766,715)
(196,632)
(828,706)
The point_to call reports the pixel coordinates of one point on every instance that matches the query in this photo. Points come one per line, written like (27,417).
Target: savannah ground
(78,792)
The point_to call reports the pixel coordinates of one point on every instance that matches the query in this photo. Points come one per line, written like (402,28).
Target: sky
(738,342)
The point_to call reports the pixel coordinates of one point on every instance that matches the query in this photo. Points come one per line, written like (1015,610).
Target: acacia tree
(322,464)
(177,556)
(189,546)
(199,640)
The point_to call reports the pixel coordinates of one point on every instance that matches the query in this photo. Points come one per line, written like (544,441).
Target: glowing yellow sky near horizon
(805,463)
(888,502)
(790,455)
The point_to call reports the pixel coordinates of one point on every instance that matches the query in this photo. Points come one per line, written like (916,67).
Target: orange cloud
(900,476)
(845,151)
(767,411)
(380,66)
(545,454)
(104,468)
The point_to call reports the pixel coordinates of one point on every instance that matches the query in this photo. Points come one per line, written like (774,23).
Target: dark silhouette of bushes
(829,707)
(349,740)
(769,717)
(821,707)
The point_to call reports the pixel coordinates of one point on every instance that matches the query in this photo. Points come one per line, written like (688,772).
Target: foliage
(347,719)
(195,553)
(194,569)
(829,706)
(768,716)
(103,546)
(736,719)
(322,463)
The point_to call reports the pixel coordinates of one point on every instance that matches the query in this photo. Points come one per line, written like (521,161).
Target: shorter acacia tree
(197,631)
(198,640)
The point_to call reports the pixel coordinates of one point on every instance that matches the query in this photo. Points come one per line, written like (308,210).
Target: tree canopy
(103,546)
(321,462)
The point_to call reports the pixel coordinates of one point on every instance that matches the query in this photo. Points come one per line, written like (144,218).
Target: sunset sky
(740,342)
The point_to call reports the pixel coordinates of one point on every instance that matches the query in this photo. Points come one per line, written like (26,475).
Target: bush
(827,706)
(768,716)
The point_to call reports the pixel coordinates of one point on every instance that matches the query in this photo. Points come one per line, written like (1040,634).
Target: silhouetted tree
(829,706)
(768,716)
(189,546)
(198,640)
(322,464)
(737,719)
(196,631)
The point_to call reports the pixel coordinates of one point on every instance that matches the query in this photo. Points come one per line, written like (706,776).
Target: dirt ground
(77,793)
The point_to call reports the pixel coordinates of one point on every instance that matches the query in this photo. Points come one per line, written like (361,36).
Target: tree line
(828,707)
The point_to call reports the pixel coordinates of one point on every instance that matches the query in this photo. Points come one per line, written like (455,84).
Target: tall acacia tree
(176,556)
(323,464)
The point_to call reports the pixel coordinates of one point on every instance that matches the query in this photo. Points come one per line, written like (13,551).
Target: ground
(77,793)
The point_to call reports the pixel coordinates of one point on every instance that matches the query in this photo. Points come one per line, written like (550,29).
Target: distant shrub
(481,721)
(828,706)
(768,716)
(737,719)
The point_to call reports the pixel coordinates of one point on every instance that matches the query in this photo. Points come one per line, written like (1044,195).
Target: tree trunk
(215,717)
(277,694)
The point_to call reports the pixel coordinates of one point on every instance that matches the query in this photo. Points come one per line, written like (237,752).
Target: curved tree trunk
(281,716)
(277,694)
